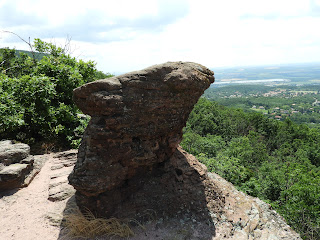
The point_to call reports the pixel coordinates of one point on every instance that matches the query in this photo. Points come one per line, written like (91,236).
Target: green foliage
(33,96)
(13,65)
(227,166)
(301,204)
(36,95)
(208,145)
(273,160)
(299,103)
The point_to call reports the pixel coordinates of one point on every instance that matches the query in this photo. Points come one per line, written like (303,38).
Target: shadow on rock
(8,192)
(170,202)
(129,165)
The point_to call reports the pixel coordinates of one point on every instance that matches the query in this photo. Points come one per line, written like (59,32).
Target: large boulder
(135,127)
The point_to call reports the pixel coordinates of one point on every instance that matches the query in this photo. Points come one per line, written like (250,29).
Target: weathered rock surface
(62,165)
(198,205)
(176,189)
(233,214)
(246,217)
(17,166)
(136,123)
(13,153)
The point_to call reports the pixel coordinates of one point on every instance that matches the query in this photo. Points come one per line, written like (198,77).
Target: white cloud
(127,35)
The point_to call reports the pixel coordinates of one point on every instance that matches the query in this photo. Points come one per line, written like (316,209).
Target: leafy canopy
(36,94)
(273,160)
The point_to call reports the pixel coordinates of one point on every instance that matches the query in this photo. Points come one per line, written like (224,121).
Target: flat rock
(59,187)
(14,170)
(60,192)
(13,153)
(17,166)
(13,176)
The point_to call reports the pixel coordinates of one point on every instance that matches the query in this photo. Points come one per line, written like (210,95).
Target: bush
(36,95)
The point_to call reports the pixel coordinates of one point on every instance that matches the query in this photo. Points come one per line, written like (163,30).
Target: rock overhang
(136,123)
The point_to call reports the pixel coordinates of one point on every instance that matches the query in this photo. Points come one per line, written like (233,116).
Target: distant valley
(305,73)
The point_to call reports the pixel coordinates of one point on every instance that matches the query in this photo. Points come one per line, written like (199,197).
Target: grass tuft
(88,226)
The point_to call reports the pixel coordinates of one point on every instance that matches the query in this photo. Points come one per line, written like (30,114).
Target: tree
(273,160)
(36,94)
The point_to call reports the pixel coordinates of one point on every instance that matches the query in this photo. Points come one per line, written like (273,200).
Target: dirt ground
(25,212)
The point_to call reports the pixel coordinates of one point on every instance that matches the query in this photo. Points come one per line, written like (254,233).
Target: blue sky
(127,35)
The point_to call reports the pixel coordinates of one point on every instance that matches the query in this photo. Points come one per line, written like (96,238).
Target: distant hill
(37,55)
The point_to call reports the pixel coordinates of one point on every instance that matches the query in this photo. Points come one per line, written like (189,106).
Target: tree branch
(29,43)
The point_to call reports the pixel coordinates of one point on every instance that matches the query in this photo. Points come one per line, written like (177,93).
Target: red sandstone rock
(136,123)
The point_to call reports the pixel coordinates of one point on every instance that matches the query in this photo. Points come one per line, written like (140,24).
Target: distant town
(299,103)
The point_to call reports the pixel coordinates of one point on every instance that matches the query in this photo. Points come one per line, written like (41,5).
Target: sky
(127,35)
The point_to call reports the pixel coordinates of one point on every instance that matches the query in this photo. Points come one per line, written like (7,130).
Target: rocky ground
(36,211)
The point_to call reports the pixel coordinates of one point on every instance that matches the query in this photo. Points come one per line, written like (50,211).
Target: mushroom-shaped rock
(136,124)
